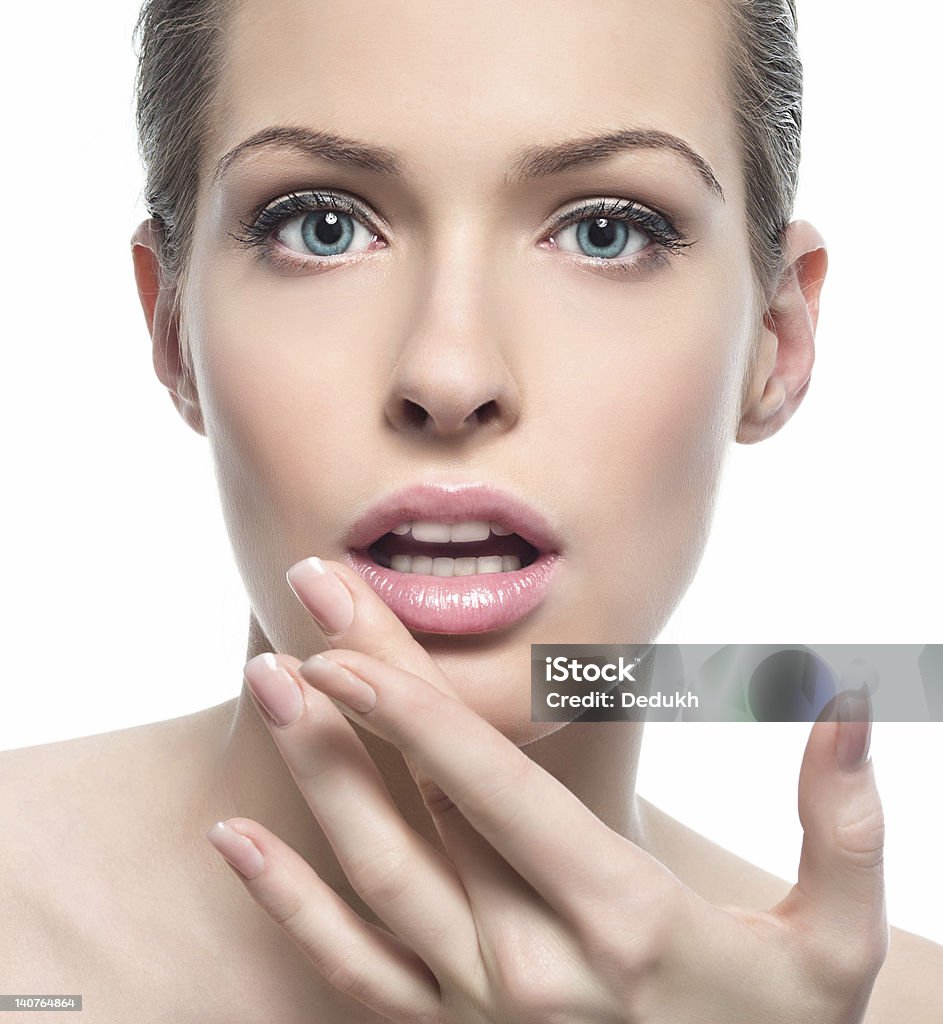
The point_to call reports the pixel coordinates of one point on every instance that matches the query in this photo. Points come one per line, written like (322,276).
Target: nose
(452,380)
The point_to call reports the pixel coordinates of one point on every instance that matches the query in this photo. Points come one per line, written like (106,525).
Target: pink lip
(458,604)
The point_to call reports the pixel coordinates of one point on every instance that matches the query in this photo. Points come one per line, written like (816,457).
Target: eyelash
(257,234)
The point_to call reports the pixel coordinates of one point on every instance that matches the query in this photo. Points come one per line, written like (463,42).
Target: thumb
(840,890)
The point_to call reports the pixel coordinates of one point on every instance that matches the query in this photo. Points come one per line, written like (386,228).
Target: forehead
(457,86)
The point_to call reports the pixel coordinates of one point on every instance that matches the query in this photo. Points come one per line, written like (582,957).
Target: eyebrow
(529,162)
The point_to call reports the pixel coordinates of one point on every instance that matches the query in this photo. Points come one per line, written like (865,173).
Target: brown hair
(766,74)
(179,58)
(178,49)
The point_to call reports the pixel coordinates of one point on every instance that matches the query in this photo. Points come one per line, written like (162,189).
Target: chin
(497,690)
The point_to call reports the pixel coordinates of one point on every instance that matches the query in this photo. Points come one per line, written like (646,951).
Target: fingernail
(337,682)
(237,848)
(322,593)
(274,688)
(854,714)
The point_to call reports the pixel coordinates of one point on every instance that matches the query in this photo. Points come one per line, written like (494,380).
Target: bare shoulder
(27,929)
(910,984)
(109,889)
(66,789)
(86,888)
(59,803)
(49,893)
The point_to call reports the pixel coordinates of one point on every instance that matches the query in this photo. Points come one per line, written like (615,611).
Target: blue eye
(605,237)
(314,227)
(323,233)
(310,224)
(606,229)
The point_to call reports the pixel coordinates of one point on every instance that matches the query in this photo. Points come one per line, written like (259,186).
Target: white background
(122,604)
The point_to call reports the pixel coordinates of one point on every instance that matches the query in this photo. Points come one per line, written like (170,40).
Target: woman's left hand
(540,912)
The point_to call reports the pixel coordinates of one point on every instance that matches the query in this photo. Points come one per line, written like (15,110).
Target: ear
(157,301)
(786,346)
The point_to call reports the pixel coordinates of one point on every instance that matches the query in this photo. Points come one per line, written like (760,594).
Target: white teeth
(432,533)
(454,566)
(454,533)
(421,564)
(465,532)
(471,531)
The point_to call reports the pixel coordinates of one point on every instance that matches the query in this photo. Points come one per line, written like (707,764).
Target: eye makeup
(265,229)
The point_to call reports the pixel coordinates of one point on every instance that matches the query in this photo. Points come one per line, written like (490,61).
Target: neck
(597,761)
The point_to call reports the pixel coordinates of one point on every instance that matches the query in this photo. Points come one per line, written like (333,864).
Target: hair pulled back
(179,54)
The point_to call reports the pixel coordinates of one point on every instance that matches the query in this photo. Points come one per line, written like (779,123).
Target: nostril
(487,412)
(414,414)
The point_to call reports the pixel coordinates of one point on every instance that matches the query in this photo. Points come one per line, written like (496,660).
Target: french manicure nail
(338,682)
(322,593)
(854,714)
(274,688)
(237,848)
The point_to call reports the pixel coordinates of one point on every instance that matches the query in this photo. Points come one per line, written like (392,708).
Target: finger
(352,616)
(840,889)
(492,886)
(408,883)
(542,829)
(367,624)
(508,910)
(357,958)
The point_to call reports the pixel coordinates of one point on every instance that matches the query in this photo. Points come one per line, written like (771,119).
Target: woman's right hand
(540,912)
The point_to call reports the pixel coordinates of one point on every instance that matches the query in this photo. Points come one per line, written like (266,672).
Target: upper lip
(452,503)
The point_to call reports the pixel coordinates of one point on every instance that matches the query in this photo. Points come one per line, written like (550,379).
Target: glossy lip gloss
(457,604)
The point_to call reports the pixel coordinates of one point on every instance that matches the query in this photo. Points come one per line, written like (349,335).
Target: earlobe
(158,304)
(786,346)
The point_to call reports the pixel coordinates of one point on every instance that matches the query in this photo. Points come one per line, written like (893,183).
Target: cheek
(642,429)
(276,387)
(277,408)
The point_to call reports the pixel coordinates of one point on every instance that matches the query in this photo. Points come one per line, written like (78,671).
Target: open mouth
(452,549)
(455,558)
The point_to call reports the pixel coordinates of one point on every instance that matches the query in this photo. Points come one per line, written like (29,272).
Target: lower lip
(459,604)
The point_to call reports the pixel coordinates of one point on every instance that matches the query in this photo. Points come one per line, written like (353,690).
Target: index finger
(539,826)
(371,626)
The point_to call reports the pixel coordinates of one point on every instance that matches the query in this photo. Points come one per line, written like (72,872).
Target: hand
(540,912)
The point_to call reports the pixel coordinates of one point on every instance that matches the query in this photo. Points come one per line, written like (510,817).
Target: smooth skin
(538,911)
(613,399)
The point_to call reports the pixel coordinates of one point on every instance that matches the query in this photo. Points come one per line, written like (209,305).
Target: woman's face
(611,358)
